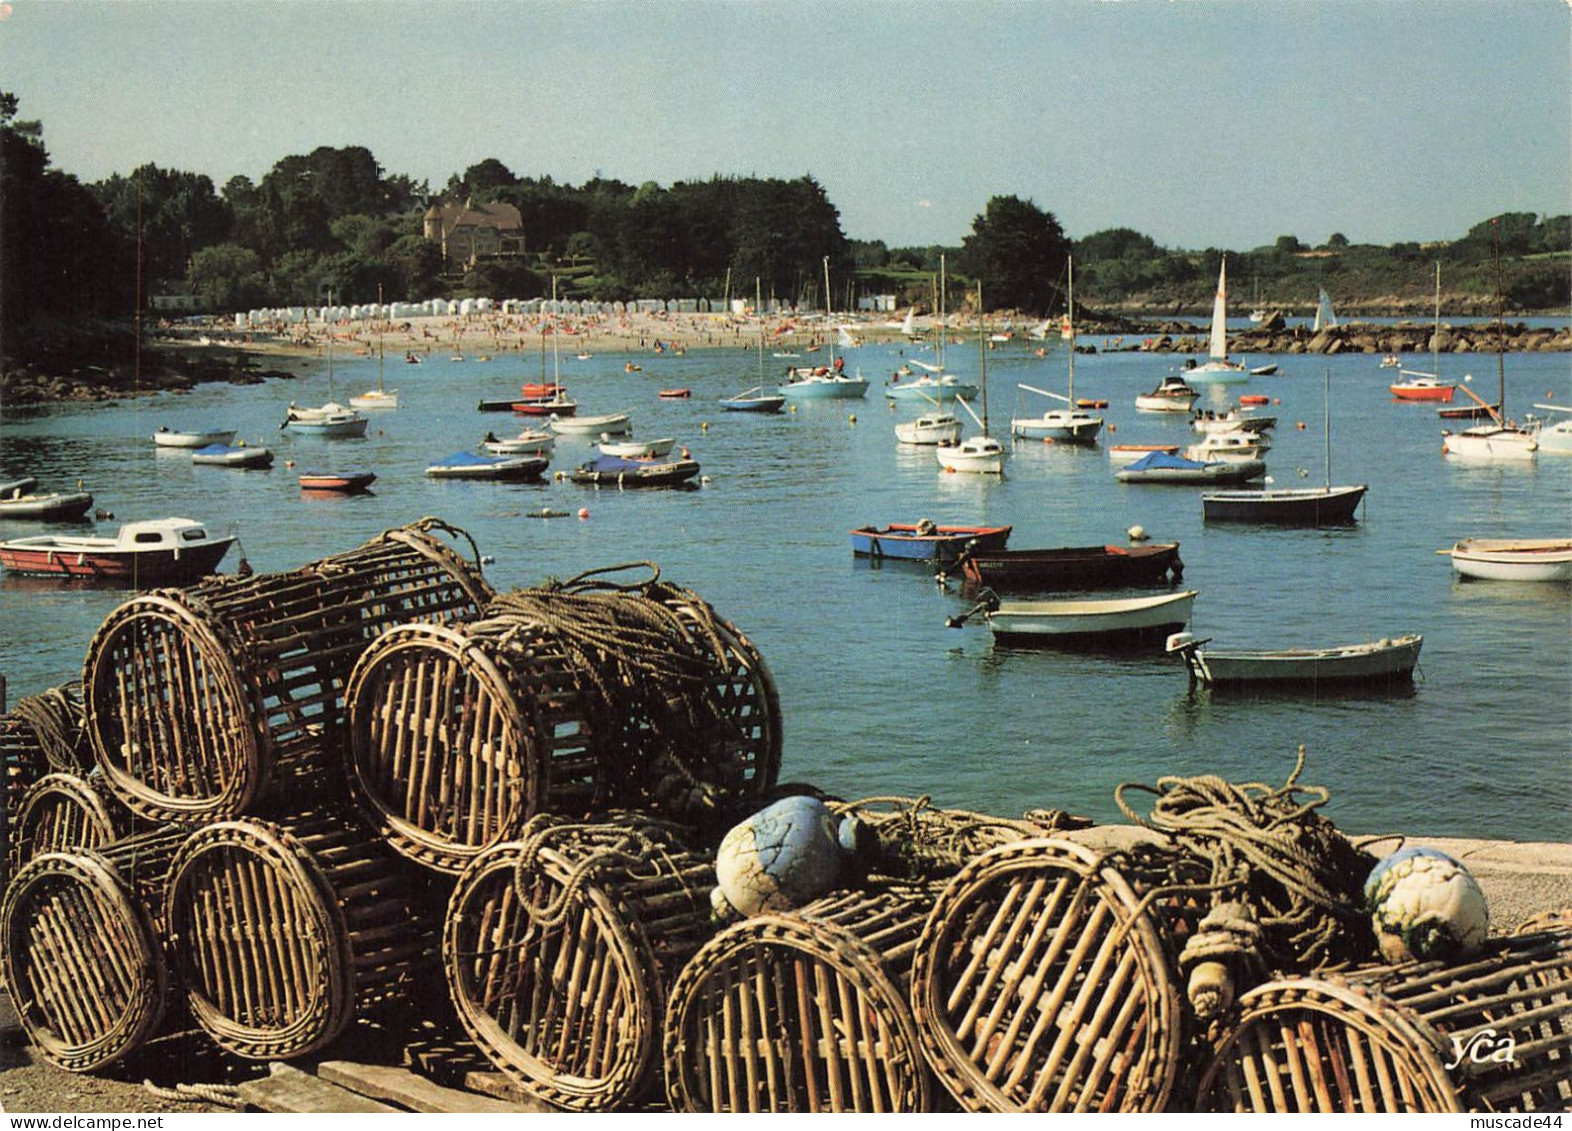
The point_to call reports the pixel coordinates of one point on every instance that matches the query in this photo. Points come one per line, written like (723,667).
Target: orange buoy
(583,512)
(1300,426)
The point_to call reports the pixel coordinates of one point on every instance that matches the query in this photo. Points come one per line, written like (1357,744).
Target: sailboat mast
(758,312)
(1326,423)
(982,351)
(1500,333)
(1070,315)
(1435,334)
(327,324)
(829,329)
(380,350)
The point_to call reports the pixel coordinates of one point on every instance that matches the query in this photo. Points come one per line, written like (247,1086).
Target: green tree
(1018,250)
(227,277)
(63,259)
(176,213)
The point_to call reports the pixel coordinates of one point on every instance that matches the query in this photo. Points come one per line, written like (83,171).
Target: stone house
(470,232)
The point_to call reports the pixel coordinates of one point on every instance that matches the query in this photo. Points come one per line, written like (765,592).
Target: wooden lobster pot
(459,734)
(1040,984)
(712,741)
(566,992)
(803,1012)
(62,812)
(199,700)
(80,949)
(1491,1033)
(745,751)
(284,934)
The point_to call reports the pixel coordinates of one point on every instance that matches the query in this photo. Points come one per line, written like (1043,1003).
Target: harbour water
(878,696)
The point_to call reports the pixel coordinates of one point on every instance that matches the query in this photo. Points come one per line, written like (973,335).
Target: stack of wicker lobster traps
(371,795)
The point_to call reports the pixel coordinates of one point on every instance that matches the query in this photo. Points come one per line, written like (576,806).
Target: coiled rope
(634,850)
(1286,886)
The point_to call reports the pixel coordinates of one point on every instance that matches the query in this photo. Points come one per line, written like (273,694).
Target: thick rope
(224,1095)
(629,850)
(1287,886)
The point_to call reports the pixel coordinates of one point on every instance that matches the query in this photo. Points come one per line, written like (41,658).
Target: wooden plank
(498,1085)
(291,1091)
(405,1088)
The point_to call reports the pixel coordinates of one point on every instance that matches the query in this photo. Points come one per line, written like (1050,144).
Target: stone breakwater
(1353,337)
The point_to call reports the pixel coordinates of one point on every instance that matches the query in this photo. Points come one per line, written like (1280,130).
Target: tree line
(334,218)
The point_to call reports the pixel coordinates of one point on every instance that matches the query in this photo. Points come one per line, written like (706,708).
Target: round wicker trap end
(81,959)
(1038,987)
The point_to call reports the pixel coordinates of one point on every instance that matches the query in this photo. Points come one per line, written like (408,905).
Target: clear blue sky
(1201,123)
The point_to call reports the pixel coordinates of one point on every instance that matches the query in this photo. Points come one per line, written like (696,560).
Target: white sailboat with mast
(380,397)
(1499,439)
(824,382)
(935,385)
(332,419)
(982,454)
(1217,369)
(1071,424)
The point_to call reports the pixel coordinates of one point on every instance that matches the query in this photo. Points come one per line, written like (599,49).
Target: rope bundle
(1287,887)
(57,718)
(636,851)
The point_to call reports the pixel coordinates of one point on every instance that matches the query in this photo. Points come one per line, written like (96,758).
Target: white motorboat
(1116,620)
(1499,439)
(982,455)
(930,428)
(1513,559)
(635,449)
(1554,436)
(1228,446)
(933,387)
(529,442)
(1234,420)
(1172,394)
(331,420)
(609,423)
(192,437)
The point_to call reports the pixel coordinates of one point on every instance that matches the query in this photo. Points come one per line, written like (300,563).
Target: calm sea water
(879,697)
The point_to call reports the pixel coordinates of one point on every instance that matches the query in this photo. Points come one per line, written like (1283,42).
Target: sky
(1200,123)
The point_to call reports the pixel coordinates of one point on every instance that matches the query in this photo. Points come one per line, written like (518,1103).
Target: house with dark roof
(470,232)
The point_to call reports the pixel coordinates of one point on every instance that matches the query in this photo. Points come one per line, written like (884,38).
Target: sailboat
(937,426)
(756,399)
(1290,506)
(379,397)
(1324,318)
(980,454)
(1071,424)
(1217,369)
(935,386)
(1499,439)
(332,419)
(824,382)
(1426,386)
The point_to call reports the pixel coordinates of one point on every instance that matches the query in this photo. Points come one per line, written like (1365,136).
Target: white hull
(1514,559)
(1227,446)
(981,455)
(1092,619)
(1150,402)
(1489,442)
(637,449)
(526,443)
(193,439)
(1217,373)
(1380,660)
(1129,453)
(1062,425)
(376,400)
(612,424)
(931,430)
